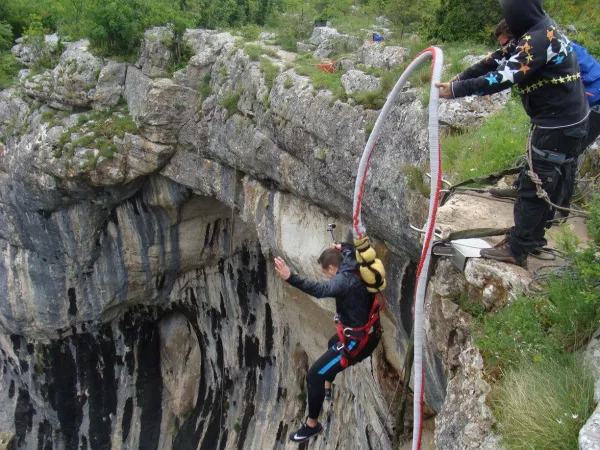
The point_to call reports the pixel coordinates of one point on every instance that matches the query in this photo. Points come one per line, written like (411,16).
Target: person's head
(330,261)
(522,15)
(502,33)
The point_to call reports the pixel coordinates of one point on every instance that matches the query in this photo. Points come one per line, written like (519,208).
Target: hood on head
(522,15)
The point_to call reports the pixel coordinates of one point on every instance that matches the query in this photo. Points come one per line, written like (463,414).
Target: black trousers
(531,213)
(327,367)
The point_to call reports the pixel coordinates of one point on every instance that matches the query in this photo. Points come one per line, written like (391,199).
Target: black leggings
(327,367)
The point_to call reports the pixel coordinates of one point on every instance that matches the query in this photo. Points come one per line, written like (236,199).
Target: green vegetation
(269,70)
(204,86)
(368,130)
(491,148)
(230,103)
(415,179)
(584,14)
(95,130)
(543,404)
(255,51)
(541,395)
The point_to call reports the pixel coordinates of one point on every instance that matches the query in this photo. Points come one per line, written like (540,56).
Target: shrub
(6,36)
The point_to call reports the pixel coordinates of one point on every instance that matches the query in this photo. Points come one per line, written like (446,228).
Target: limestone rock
(462,112)
(137,87)
(357,81)
(381,56)
(382,21)
(166,109)
(141,290)
(7,441)
(322,34)
(589,436)
(303,47)
(71,83)
(29,53)
(111,84)
(500,283)
(266,36)
(155,51)
(143,156)
(331,42)
(181,363)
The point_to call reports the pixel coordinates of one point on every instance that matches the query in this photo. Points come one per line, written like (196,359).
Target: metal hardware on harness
(553,157)
(346,332)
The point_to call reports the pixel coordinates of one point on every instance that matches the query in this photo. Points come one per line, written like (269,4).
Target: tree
(6,36)
(404,13)
(470,20)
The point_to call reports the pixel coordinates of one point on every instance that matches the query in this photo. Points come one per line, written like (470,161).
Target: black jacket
(541,62)
(352,300)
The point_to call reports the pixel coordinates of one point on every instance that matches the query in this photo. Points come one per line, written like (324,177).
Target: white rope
(436,185)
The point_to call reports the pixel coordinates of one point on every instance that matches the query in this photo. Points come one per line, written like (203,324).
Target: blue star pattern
(558,60)
(492,79)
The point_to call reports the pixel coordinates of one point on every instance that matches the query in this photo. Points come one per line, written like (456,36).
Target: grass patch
(492,147)
(204,86)
(320,79)
(230,103)
(415,179)
(47,115)
(97,131)
(370,100)
(269,70)
(543,404)
(368,130)
(255,51)
(353,23)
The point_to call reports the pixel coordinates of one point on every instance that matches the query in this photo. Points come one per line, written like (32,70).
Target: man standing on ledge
(354,306)
(544,67)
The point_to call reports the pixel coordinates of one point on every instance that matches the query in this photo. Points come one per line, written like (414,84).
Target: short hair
(330,257)
(502,28)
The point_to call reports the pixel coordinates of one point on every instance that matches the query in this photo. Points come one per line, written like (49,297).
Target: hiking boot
(509,192)
(501,252)
(305,432)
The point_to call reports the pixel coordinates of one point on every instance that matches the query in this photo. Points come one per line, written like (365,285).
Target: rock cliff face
(139,305)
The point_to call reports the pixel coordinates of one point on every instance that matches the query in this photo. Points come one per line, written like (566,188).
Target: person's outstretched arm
(529,56)
(488,64)
(318,289)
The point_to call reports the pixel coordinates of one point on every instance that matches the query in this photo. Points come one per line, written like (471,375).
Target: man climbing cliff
(355,307)
(541,62)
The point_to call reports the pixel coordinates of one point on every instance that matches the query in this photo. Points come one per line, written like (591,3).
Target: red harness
(359,335)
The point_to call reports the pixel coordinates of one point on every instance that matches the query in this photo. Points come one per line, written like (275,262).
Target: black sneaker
(328,394)
(305,433)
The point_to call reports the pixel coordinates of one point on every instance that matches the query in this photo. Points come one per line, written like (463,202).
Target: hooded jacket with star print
(540,62)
